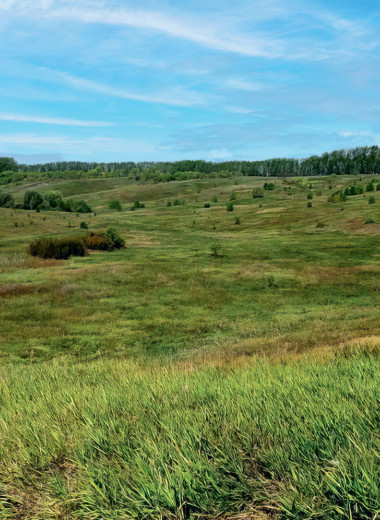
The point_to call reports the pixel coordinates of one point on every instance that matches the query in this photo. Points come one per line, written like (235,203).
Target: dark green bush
(78,206)
(371,200)
(177,202)
(115,204)
(230,206)
(237,220)
(215,198)
(309,204)
(32,200)
(54,200)
(137,205)
(6,200)
(355,189)
(233,196)
(114,238)
(58,248)
(370,186)
(310,195)
(207,205)
(169,203)
(269,186)
(83,225)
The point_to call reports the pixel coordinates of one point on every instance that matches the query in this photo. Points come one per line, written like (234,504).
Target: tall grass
(112,440)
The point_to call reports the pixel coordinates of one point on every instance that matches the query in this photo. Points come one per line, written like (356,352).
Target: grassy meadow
(224,364)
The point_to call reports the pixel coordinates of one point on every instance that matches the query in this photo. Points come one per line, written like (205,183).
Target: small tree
(371,200)
(83,225)
(310,195)
(115,204)
(6,200)
(114,238)
(230,206)
(32,199)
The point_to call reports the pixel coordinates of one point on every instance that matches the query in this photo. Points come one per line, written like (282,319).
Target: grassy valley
(224,364)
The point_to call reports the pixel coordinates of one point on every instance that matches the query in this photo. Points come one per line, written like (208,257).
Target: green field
(162,381)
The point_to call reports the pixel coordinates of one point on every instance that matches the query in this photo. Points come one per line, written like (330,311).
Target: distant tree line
(361,161)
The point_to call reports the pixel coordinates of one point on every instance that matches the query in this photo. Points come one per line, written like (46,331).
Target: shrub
(169,203)
(371,200)
(370,186)
(58,248)
(32,199)
(233,196)
(83,225)
(6,200)
(318,193)
(257,193)
(54,200)
(269,186)
(230,206)
(321,224)
(309,204)
(310,195)
(115,204)
(215,198)
(237,220)
(137,205)
(355,189)
(98,242)
(177,202)
(207,205)
(369,221)
(78,206)
(114,238)
(378,187)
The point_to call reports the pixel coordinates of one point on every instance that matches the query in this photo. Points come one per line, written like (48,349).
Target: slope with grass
(166,381)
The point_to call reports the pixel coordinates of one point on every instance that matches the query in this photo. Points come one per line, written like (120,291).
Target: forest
(355,161)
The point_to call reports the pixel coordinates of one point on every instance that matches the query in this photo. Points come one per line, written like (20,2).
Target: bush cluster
(6,200)
(269,186)
(355,189)
(52,200)
(104,242)
(58,248)
(137,205)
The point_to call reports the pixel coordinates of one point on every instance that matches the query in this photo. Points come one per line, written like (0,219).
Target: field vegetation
(217,363)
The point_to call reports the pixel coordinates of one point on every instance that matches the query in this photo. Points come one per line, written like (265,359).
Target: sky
(117,80)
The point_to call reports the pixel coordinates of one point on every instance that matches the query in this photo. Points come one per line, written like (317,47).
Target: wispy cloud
(186,28)
(24,118)
(241,84)
(174,97)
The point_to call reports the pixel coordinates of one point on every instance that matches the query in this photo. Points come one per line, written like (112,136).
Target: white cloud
(240,84)
(66,145)
(23,118)
(174,97)
(191,29)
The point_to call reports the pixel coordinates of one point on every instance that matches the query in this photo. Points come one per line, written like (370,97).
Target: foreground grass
(247,438)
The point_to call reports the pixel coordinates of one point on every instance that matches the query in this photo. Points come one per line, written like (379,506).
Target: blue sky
(113,80)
